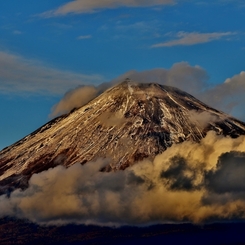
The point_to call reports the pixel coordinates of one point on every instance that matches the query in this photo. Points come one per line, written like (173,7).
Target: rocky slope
(125,124)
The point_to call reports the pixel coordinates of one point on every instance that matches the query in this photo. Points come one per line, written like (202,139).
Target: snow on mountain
(127,123)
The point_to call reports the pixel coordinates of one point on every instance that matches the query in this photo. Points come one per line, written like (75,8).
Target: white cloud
(192,38)
(18,74)
(88,6)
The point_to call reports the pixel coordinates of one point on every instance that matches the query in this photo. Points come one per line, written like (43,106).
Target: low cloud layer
(192,38)
(87,6)
(188,182)
(18,74)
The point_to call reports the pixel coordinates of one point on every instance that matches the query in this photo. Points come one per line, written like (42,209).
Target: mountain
(127,123)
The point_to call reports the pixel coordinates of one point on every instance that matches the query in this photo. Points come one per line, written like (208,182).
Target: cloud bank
(192,38)
(87,6)
(184,183)
(18,74)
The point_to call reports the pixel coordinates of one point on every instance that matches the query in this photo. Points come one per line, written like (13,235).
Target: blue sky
(50,47)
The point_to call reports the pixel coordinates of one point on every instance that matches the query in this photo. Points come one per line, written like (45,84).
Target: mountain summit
(127,123)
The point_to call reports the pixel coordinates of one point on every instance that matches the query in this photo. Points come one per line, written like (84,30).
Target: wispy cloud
(192,38)
(137,30)
(142,26)
(84,37)
(88,6)
(239,3)
(18,74)
(16,32)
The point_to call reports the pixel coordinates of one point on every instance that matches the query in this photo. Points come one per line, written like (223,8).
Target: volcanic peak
(127,123)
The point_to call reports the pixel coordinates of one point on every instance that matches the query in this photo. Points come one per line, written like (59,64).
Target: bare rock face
(125,124)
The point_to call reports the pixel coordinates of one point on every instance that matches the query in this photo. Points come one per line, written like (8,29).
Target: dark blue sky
(50,47)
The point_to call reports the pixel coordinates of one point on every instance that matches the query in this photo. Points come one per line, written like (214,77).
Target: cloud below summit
(184,183)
